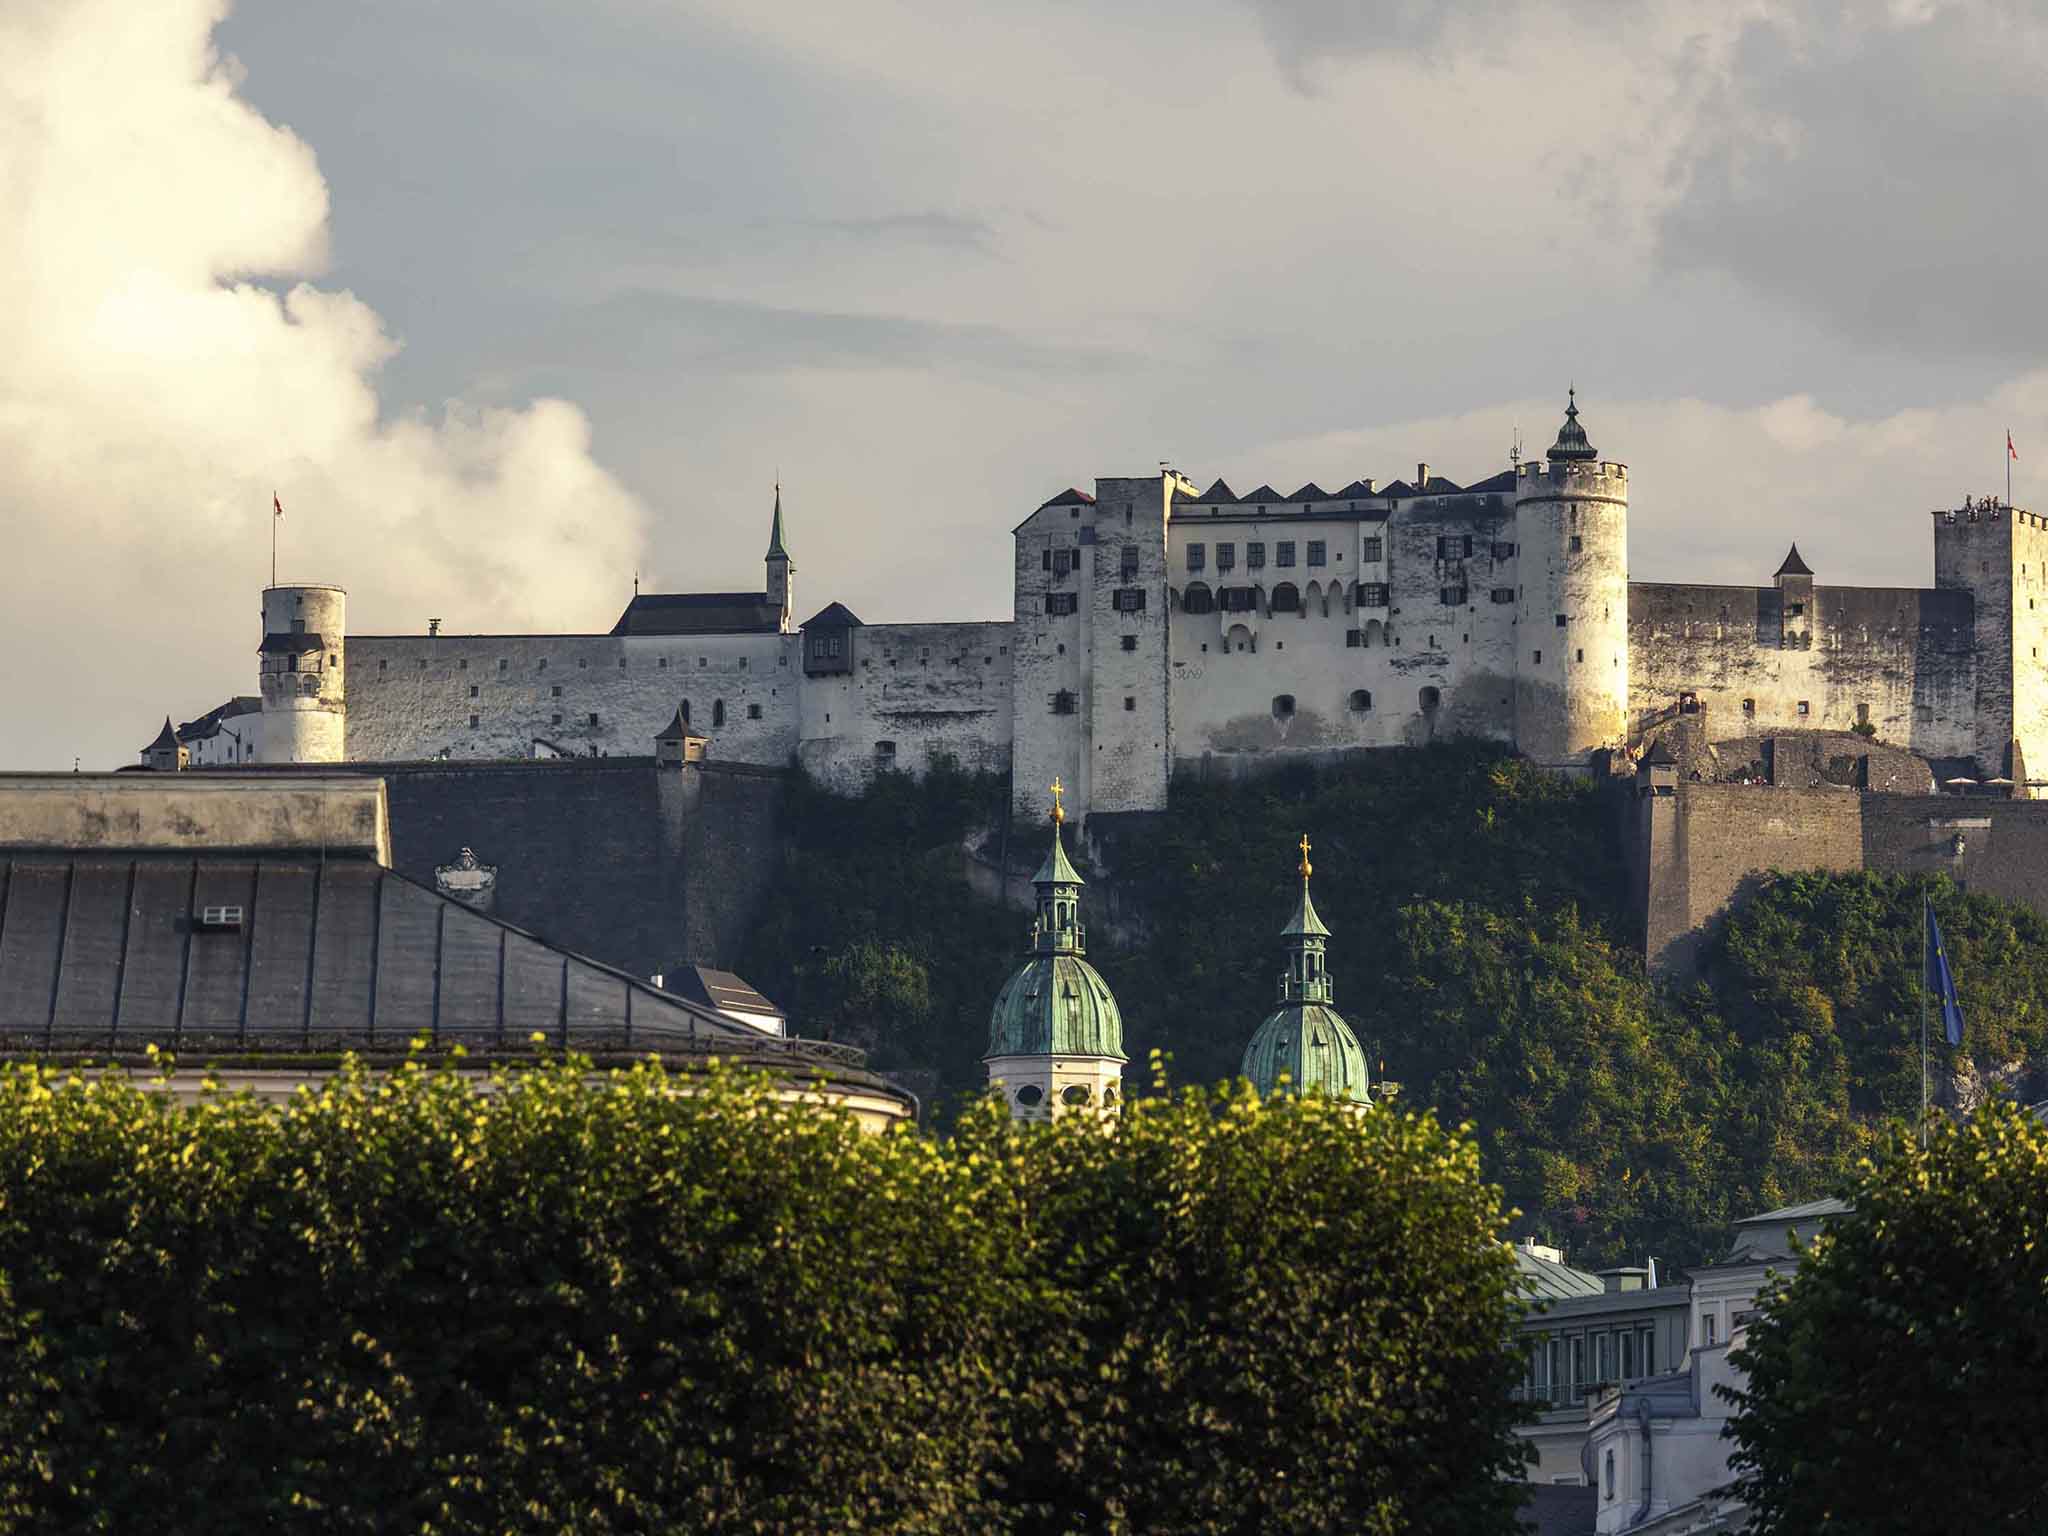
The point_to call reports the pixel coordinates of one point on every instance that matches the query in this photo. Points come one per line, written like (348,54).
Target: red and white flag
(279,506)
(2014,452)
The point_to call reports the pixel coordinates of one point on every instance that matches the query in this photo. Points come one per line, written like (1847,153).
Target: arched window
(1429,698)
(1286,598)
(718,711)
(1075,1094)
(1283,706)
(1198,598)
(1361,699)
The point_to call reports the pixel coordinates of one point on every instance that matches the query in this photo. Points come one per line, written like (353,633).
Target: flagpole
(1925,908)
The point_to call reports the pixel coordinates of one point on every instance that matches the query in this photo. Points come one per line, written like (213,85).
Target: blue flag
(1941,981)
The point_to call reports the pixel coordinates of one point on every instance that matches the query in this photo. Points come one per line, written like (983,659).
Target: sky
(510,301)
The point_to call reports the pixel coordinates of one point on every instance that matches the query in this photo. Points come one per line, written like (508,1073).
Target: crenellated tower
(301,679)
(1571,613)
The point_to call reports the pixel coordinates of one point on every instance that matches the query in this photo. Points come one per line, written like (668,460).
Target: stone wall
(917,694)
(1048,711)
(414,697)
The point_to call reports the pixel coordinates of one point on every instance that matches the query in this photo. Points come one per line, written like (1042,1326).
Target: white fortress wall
(1125,611)
(470,696)
(917,693)
(1049,718)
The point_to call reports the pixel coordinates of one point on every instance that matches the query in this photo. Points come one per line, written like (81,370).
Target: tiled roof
(832,616)
(1310,492)
(699,613)
(1264,493)
(1070,498)
(1794,566)
(1354,491)
(209,724)
(1219,494)
(1504,481)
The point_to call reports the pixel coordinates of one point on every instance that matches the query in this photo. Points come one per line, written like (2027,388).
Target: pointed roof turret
(676,729)
(776,549)
(1057,870)
(166,739)
(1571,441)
(1305,923)
(1794,566)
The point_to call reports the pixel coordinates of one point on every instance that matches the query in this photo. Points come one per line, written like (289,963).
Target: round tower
(1305,1046)
(1055,1036)
(301,678)
(1571,613)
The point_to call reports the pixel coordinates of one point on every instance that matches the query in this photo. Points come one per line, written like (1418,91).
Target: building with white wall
(1158,628)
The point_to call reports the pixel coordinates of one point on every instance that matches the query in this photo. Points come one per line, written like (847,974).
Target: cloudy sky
(508,299)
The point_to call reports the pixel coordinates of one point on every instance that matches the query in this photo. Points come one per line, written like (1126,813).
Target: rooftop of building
(699,613)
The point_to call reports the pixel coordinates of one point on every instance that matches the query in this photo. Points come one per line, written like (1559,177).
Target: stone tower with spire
(781,569)
(1304,1046)
(1055,1036)
(1571,615)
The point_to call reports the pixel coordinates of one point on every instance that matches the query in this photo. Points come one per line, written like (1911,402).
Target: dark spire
(678,728)
(1571,441)
(775,549)
(166,739)
(1794,566)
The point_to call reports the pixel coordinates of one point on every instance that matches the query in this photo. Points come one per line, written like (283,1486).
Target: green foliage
(622,1301)
(1481,952)
(1895,1384)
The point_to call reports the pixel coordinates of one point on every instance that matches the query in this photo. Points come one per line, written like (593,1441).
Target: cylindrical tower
(1571,629)
(301,678)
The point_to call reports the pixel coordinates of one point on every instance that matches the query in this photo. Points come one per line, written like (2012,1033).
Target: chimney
(1422,477)
(433,626)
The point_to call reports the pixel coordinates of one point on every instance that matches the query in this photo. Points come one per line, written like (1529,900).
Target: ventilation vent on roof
(220,920)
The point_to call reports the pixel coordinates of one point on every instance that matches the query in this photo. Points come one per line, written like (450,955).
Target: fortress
(1161,628)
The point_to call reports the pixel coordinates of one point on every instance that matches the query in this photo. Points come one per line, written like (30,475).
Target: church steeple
(1307,978)
(1304,1046)
(781,588)
(1058,930)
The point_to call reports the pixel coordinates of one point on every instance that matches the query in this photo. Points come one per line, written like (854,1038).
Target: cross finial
(1307,868)
(1059,811)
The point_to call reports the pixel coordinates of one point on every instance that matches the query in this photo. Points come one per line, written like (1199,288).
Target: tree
(1895,1384)
(1279,1317)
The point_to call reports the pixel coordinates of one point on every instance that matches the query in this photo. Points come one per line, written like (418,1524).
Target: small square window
(1130,642)
(662,662)
(753,711)
(593,717)
(473,719)
(555,691)
(1318,552)
(381,665)
(1560,621)
(472,690)
(1749,706)
(1374,549)
(503,664)
(622,663)
(543,664)
(1578,544)
(1537,658)
(1130,703)
(557,719)
(1805,708)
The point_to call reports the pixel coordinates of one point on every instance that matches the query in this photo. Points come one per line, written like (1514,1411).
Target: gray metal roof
(290,951)
(1544,1278)
(699,613)
(1831,1206)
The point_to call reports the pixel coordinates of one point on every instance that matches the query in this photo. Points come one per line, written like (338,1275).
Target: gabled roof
(1219,493)
(832,616)
(1310,492)
(1794,566)
(699,613)
(1439,486)
(1070,498)
(209,724)
(1354,490)
(1264,493)
(1504,481)
(1661,754)
(1399,488)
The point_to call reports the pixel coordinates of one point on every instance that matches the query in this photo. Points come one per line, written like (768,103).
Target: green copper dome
(1056,1003)
(1305,1046)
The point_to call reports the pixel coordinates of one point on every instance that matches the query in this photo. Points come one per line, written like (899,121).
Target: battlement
(1530,471)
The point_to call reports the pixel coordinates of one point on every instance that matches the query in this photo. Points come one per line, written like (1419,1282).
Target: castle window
(1063,561)
(663,662)
(1318,552)
(1577,544)
(1503,551)
(1130,642)
(503,664)
(1374,594)
(1063,702)
(462,665)
(1197,556)
(717,712)
(1749,706)
(543,665)
(473,719)
(555,692)
(1045,558)
(1452,597)
(1429,698)
(1059,604)
(1197,598)
(1560,621)
(1255,557)
(1283,706)
(1795,609)
(1286,598)
(557,719)
(1503,594)
(1579,656)
(1283,552)
(1361,700)
(1226,557)
(1239,599)
(1130,600)
(1536,657)
(885,754)
(622,663)
(381,665)
(1130,562)
(1130,704)
(582,662)
(753,711)
(1805,708)
(1375,548)
(1352,639)
(593,717)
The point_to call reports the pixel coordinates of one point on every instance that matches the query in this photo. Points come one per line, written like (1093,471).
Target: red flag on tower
(280,505)
(2014,452)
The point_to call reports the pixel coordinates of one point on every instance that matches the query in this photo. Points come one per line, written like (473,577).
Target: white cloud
(153,394)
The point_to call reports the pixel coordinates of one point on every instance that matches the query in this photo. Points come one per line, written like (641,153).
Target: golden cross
(1059,812)
(1306,867)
